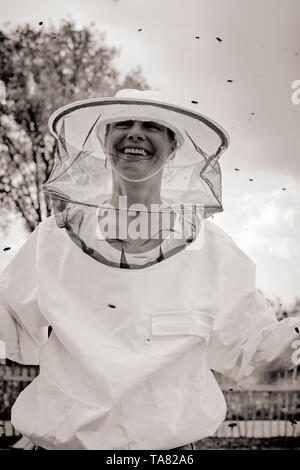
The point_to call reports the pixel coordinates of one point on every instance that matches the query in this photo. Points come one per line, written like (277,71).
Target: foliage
(43,70)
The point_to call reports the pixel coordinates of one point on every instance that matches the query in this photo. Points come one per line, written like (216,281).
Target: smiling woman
(160,158)
(130,142)
(133,333)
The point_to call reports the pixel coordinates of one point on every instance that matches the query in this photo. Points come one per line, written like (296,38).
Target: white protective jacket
(128,363)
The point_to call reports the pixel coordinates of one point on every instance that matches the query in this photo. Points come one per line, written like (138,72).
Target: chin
(133,176)
(129,172)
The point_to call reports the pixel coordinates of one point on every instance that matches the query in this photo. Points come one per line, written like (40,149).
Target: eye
(152,126)
(123,124)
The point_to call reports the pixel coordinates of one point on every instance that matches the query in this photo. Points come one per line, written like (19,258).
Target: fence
(263,411)
(13,380)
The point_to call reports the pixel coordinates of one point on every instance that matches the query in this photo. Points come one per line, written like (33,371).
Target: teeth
(136,151)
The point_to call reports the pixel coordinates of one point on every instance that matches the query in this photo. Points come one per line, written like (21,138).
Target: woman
(144,295)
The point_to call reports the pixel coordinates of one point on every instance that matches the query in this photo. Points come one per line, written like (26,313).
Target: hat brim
(67,110)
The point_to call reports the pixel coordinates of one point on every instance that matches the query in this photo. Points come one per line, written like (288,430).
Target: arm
(247,342)
(8,335)
(23,329)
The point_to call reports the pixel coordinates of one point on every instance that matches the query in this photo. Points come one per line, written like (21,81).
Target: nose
(136,132)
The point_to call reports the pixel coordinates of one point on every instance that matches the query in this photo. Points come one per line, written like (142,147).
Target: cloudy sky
(260,52)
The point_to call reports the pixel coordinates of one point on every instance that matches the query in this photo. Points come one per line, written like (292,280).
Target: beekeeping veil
(81,182)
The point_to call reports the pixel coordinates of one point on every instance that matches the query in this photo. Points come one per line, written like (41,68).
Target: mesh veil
(80,184)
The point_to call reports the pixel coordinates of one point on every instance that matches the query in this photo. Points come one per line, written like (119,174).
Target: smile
(136,153)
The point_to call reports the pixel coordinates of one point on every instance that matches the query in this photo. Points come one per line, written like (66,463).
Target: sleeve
(23,329)
(247,341)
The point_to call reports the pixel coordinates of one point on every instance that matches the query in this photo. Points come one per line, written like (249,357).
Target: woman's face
(138,149)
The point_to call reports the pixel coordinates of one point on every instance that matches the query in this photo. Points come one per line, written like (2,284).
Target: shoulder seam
(231,242)
(216,229)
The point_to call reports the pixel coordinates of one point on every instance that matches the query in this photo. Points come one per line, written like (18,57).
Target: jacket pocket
(173,332)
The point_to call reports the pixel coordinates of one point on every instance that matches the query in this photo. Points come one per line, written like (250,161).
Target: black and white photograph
(150,227)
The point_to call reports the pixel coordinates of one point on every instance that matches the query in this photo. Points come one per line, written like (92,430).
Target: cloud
(265,221)
(266,225)
(271,226)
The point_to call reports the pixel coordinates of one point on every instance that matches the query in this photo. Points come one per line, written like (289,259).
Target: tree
(43,70)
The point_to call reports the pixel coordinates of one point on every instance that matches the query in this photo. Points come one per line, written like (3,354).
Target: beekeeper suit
(145,296)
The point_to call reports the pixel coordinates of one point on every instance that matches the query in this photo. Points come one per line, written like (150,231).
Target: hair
(171,134)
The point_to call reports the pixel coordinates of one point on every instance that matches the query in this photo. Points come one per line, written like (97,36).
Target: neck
(144,192)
